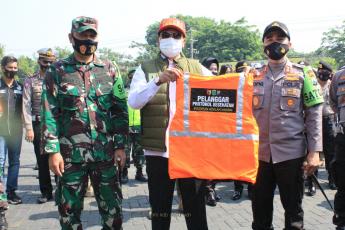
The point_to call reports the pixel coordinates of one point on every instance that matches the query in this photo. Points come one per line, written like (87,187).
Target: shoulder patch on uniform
(118,88)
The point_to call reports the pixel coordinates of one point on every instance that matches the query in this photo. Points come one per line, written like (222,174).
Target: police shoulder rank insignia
(311,89)
(292,77)
(118,89)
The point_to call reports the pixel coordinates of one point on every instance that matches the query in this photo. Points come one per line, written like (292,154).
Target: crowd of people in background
(76,113)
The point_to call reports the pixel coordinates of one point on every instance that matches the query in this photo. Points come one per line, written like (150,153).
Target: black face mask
(276,50)
(10,73)
(324,76)
(85,47)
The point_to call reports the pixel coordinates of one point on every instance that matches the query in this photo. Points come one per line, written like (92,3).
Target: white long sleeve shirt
(142,92)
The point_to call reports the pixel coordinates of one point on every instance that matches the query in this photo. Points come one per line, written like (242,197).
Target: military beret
(82,23)
(46,53)
(274,26)
(325,66)
(240,65)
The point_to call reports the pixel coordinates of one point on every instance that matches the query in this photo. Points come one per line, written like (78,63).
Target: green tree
(26,67)
(333,44)
(124,62)
(62,52)
(2,51)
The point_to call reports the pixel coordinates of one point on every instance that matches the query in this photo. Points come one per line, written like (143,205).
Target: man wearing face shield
(32,120)
(281,93)
(149,92)
(84,124)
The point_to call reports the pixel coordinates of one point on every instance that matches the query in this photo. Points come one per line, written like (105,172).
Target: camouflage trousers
(71,189)
(133,146)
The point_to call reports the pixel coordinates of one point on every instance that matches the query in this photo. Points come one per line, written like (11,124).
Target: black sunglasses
(176,35)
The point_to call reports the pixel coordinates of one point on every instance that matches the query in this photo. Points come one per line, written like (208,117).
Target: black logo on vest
(213,100)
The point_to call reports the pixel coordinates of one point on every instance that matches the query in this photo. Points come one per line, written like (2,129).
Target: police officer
(241,66)
(11,129)
(282,113)
(337,100)
(32,120)
(85,121)
(324,75)
(132,144)
(212,64)
(149,92)
(211,195)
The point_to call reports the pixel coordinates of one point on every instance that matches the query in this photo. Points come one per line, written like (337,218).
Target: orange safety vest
(213,133)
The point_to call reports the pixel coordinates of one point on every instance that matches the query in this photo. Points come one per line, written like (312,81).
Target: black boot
(139,176)
(211,198)
(3,221)
(124,176)
(44,198)
(311,187)
(13,198)
(331,183)
(237,195)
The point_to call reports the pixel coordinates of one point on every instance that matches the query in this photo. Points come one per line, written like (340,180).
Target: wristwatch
(157,82)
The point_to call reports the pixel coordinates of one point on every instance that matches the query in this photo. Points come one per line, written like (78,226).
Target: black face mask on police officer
(85,47)
(276,50)
(10,73)
(324,75)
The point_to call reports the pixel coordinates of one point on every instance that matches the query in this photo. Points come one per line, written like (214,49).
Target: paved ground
(226,215)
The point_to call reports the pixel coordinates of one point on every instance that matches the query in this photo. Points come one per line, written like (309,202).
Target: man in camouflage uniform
(32,120)
(132,144)
(84,126)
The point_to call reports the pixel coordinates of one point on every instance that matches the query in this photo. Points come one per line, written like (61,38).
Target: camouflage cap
(82,23)
(47,54)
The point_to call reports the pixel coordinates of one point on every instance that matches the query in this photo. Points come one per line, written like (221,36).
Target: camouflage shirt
(84,111)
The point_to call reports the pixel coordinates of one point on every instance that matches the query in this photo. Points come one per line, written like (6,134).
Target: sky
(28,25)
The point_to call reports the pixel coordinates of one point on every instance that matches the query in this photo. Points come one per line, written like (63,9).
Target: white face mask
(170,47)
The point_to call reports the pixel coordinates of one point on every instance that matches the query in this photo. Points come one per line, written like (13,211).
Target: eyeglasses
(176,35)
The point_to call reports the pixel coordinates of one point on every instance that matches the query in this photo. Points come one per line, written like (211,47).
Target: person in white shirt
(149,91)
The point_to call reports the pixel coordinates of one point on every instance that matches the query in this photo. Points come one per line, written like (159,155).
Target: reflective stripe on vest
(193,129)
(133,117)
